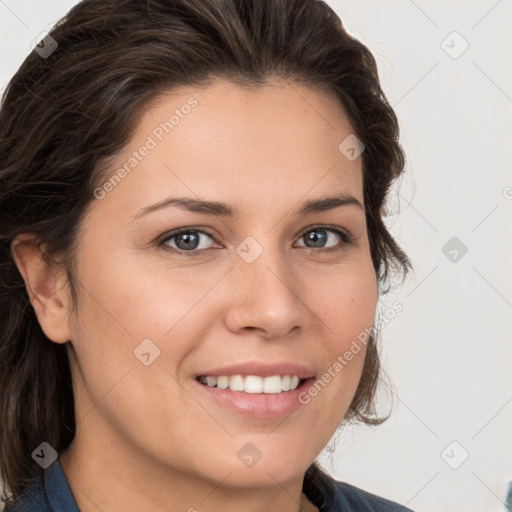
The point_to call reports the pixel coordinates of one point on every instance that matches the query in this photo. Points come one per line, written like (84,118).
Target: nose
(264,296)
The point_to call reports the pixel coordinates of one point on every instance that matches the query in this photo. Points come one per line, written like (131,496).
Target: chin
(270,469)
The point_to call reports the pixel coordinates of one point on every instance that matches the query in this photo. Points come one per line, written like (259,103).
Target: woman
(192,250)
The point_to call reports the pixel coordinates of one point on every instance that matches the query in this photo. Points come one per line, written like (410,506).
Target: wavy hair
(65,113)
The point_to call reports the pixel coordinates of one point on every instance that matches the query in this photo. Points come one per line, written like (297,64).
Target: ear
(46,285)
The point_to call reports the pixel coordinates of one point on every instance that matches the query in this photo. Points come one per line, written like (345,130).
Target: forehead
(279,141)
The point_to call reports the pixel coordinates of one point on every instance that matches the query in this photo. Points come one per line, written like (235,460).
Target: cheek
(347,308)
(139,298)
(115,319)
(346,305)
(347,301)
(122,305)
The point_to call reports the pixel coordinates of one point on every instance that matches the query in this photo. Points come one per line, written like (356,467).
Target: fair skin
(146,438)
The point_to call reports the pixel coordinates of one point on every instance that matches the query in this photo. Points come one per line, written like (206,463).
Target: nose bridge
(262,265)
(266,293)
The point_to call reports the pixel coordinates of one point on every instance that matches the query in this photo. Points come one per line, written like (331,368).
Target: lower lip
(259,405)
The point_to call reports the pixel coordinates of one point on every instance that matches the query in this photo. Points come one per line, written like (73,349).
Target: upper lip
(262,369)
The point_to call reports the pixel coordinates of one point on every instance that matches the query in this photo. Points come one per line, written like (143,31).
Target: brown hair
(63,115)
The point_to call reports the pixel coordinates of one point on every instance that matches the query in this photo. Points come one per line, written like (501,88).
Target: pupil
(187,238)
(315,238)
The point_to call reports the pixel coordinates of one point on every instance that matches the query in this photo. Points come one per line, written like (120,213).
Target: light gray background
(448,353)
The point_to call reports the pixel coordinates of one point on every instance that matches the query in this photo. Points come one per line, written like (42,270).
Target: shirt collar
(57,489)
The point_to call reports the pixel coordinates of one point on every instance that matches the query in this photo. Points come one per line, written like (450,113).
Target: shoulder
(47,492)
(32,500)
(351,498)
(330,495)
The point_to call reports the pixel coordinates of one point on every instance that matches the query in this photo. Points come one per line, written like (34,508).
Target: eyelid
(345,235)
(175,232)
(342,232)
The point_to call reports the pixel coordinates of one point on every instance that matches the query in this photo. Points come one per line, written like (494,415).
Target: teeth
(272,384)
(236,383)
(252,383)
(222,382)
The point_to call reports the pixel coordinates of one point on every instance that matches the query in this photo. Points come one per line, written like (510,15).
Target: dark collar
(57,490)
(319,487)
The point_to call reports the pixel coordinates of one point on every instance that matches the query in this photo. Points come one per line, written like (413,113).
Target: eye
(193,241)
(186,240)
(320,235)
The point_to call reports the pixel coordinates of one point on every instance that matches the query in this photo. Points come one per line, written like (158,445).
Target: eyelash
(347,239)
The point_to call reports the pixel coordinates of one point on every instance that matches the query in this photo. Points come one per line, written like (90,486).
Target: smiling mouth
(253,384)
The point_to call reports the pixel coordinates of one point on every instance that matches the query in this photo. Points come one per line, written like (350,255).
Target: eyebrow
(223,209)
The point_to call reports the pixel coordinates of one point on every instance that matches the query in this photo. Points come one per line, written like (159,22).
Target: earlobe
(46,285)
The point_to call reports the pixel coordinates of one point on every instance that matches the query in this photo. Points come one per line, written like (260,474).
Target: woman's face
(264,286)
